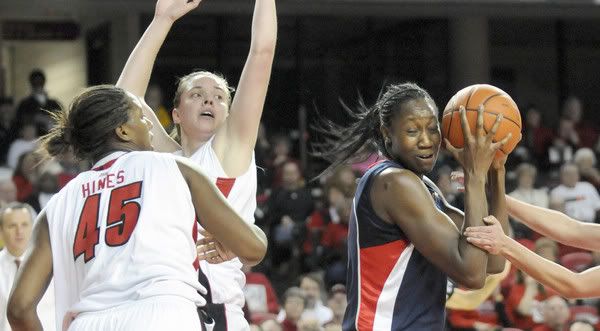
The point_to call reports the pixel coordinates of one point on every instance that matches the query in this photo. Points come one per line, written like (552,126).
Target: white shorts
(156,313)
(227,317)
(235,319)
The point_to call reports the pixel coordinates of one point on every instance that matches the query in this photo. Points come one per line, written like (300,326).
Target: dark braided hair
(343,144)
(88,125)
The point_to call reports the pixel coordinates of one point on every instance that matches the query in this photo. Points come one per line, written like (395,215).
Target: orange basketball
(495,101)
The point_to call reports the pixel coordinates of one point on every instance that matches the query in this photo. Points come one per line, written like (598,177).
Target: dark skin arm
(400,197)
(495,182)
(496,179)
(246,241)
(32,281)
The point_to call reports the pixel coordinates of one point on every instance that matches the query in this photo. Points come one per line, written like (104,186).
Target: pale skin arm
(471,299)
(556,225)
(136,73)
(32,281)
(246,241)
(234,142)
(567,283)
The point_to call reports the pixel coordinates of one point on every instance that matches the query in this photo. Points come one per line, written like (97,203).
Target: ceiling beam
(80,9)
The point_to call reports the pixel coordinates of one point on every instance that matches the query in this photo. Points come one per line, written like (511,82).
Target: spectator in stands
(336,193)
(587,134)
(523,303)
(309,324)
(270,325)
(581,325)
(45,186)
(536,137)
(289,207)
(294,301)
(313,286)
(564,144)
(581,198)
(33,108)
(26,142)
(25,175)
(154,99)
(449,188)
(547,248)
(337,302)
(525,191)
(8,132)
(16,225)
(259,293)
(556,315)
(585,159)
(8,189)
(282,148)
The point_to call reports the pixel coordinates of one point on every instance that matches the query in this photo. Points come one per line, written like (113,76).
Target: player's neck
(190,146)
(103,155)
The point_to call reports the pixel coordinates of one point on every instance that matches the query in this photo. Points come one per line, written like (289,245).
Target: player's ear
(385,133)
(123,132)
(176,118)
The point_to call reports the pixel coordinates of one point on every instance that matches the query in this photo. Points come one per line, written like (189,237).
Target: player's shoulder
(147,157)
(393,177)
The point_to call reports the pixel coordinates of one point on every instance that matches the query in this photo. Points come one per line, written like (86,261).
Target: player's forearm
(263,239)
(136,73)
(498,209)
(264,28)
(544,271)
(547,222)
(473,260)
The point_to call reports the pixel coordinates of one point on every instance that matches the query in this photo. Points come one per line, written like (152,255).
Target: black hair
(88,125)
(36,74)
(342,144)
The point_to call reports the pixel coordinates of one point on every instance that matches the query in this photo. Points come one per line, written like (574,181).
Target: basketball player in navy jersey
(404,239)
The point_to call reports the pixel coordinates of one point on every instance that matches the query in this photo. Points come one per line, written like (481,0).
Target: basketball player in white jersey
(120,238)
(216,132)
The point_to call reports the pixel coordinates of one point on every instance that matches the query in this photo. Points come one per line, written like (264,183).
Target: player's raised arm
(238,136)
(246,241)
(497,191)
(32,281)
(136,73)
(555,225)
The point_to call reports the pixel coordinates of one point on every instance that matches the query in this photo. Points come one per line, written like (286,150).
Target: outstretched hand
(479,149)
(174,9)
(212,251)
(488,237)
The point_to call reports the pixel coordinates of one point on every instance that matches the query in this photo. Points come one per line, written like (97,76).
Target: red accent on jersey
(225,185)
(376,264)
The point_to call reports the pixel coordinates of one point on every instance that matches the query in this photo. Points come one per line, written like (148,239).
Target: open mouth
(207,114)
(425,157)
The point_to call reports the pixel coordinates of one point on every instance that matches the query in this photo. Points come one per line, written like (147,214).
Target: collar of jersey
(107,161)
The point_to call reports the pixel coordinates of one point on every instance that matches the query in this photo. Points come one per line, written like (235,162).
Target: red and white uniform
(226,280)
(123,246)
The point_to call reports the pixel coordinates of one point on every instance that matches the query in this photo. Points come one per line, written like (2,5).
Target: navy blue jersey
(391,286)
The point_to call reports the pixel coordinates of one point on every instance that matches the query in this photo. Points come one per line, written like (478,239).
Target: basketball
(495,101)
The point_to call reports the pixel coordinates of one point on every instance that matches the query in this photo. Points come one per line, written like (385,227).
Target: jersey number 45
(122,217)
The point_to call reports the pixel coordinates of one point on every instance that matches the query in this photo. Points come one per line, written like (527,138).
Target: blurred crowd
(300,284)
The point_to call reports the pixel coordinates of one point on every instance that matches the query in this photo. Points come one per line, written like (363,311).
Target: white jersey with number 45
(122,232)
